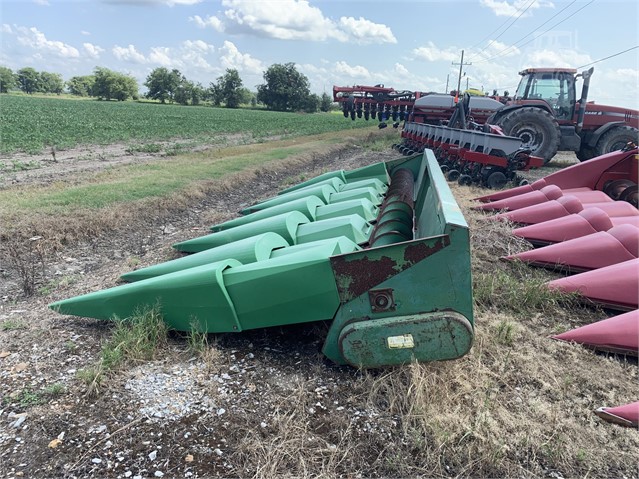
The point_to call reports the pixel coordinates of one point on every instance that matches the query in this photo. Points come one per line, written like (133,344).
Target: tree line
(285,88)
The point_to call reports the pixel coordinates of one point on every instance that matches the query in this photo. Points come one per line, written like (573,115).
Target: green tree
(81,85)
(214,94)
(28,80)
(247,97)
(198,93)
(285,89)
(312,103)
(164,84)
(7,79)
(325,102)
(51,83)
(229,86)
(113,85)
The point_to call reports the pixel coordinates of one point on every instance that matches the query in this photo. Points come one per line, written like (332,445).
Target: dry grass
(518,405)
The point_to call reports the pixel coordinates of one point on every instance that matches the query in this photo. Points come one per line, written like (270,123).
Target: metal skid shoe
(382,252)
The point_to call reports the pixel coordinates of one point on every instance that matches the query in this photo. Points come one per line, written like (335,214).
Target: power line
(514,45)
(495,30)
(606,58)
(541,34)
(513,22)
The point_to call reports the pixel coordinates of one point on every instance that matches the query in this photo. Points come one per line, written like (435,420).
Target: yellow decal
(404,341)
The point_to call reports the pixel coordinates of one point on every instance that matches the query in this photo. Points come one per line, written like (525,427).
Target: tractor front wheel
(585,153)
(616,139)
(538,130)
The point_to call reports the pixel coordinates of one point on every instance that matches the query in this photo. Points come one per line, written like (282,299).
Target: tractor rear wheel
(537,128)
(615,139)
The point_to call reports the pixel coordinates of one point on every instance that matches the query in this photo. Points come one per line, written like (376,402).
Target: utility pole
(461,65)
(467,82)
(447,77)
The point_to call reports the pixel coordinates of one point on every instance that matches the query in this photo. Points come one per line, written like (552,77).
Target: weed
(12,325)
(521,292)
(175,149)
(197,340)
(144,148)
(506,332)
(28,397)
(55,389)
(27,258)
(133,261)
(70,346)
(56,283)
(133,340)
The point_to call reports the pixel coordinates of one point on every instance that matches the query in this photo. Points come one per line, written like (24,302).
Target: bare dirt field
(266,403)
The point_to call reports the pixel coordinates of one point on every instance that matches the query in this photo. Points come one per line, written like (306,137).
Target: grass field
(30,124)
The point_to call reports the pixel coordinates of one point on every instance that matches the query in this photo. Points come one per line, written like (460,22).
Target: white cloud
(285,20)
(85,33)
(556,58)
(295,20)
(357,71)
(170,3)
(92,50)
(507,9)
(198,46)
(433,53)
(5,28)
(210,21)
(161,56)
(401,69)
(129,54)
(35,39)
(42,2)
(365,32)
(231,57)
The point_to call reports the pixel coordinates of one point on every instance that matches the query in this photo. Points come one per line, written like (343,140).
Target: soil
(264,403)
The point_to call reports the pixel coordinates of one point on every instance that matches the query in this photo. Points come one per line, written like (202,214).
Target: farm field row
(31,124)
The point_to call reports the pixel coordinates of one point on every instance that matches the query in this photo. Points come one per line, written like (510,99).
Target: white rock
(158,474)
(218,451)
(128,474)
(96,460)
(153,455)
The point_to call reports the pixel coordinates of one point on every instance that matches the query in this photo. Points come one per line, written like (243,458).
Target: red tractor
(544,112)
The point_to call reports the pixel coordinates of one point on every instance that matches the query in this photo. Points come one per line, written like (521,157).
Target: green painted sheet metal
(362,207)
(404,339)
(294,288)
(285,225)
(406,298)
(336,183)
(323,192)
(354,227)
(360,193)
(248,250)
(307,205)
(339,174)
(195,295)
(340,245)
(376,170)
(416,280)
(368,183)
(225,296)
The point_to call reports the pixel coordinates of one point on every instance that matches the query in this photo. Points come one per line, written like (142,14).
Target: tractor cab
(553,86)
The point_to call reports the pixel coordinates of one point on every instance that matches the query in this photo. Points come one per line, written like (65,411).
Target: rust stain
(356,276)
(418,251)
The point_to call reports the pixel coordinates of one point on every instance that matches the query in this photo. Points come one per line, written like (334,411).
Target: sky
(406,45)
